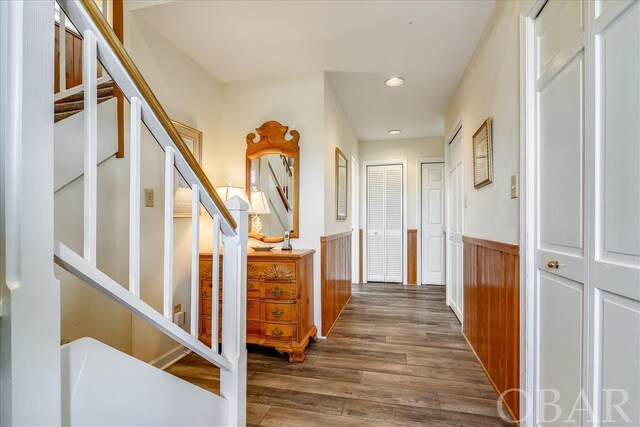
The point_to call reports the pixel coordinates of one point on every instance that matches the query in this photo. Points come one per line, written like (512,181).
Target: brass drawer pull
(553,264)
(277,332)
(276,291)
(277,311)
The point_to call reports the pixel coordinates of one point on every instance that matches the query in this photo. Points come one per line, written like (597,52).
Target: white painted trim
(215,279)
(30,377)
(169,172)
(134,195)
(528,13)
(62,53)
(458,126)
(355,219)
(89,70)
(405,184)
(170,357)
(195,261)
(419,162)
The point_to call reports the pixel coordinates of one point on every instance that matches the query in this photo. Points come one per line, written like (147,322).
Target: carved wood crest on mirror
(273,170)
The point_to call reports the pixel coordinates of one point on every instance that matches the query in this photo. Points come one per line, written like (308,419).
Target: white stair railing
(101,43)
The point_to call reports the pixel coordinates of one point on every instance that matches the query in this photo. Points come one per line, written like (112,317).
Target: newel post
(30,381)
(233,385)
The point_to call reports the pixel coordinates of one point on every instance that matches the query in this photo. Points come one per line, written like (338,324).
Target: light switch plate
(514,186)
(148,197)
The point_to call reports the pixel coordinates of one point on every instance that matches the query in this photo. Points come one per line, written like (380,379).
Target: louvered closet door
(384,223)
(375,223)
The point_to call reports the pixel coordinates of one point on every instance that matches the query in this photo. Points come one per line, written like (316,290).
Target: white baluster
(168,232)
(215,282)
(62,50)
(195,257)
(233,384)
(134,197)
(89,67)
(106,10)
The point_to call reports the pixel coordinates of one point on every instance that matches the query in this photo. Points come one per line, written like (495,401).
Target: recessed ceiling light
(394,81)
(394,131)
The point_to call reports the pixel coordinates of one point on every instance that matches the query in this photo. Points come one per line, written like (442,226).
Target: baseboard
(169,358)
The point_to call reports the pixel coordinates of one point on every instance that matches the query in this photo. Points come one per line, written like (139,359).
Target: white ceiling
(358,43)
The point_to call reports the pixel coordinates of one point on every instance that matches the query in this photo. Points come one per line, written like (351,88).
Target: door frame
(363,176)
(419,162)
(528,14)
(458,126)
(355,220)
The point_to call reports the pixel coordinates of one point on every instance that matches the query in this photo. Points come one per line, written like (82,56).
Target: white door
(587,237)
(560,237)
(432,223)
(384,223)
(614,212)
(455,222)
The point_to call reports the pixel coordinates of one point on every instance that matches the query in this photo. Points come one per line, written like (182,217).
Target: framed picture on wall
(342,168)
(182,192)
(483,155)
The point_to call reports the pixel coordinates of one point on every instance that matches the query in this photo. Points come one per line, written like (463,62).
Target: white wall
(295,101)
(490,87)
(338,133)
(400,149)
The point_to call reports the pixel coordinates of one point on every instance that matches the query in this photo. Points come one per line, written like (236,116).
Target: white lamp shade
(227,192)
(259,203)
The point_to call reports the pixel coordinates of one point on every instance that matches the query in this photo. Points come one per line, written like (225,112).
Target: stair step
(68,109)
(102,91)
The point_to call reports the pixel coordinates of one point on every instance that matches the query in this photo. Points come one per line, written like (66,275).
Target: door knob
(553,264)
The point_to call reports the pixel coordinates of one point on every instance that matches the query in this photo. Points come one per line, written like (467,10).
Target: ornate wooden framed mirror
(273,172)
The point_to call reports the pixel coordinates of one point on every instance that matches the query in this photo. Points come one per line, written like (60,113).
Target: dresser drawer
(282,271)
(279,311)
(280,291)
(279,332)
(254,289)
(254,310)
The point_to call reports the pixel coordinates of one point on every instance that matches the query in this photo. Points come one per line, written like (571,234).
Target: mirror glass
(273,169)
(272,194)
(341,185)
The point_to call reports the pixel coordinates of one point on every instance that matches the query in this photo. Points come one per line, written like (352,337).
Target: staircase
(87,382)
(72,104)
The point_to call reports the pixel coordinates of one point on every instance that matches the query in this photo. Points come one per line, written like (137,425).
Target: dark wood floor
(396,356)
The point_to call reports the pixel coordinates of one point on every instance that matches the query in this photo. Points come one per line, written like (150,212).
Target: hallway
(395,356)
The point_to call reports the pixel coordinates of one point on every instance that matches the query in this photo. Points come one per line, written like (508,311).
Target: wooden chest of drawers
(279,301)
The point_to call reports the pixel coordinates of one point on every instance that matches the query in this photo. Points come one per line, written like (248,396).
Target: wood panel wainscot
(491,312)
(412,256)
(279,301)
(335,277)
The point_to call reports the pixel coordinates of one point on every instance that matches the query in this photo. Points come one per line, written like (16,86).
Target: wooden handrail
(114,43)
